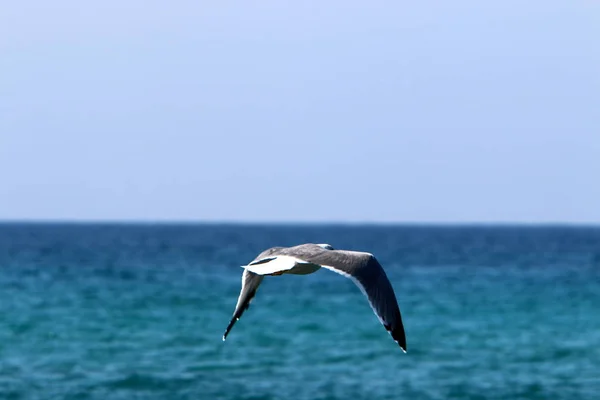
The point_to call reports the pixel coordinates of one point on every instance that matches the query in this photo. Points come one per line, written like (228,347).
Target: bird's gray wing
(250,283)
(368,275)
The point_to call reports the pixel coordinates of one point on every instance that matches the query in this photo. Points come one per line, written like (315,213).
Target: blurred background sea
(112,311)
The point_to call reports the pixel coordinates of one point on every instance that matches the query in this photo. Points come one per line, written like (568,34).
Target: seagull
(362,268)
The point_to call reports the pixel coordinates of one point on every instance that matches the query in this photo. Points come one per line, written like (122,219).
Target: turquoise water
(137,312)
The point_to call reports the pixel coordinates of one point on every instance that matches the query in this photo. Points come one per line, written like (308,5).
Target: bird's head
(325,246)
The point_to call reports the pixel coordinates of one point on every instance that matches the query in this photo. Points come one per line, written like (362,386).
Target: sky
(311,111)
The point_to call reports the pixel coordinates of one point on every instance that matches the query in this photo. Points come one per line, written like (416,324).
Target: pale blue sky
(423,111)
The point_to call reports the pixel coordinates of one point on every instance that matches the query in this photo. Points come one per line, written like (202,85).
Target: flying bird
(362,268)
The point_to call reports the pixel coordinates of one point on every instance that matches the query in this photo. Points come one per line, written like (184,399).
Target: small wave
(149,382)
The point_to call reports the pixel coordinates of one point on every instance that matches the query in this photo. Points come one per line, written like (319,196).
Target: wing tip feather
(401,341)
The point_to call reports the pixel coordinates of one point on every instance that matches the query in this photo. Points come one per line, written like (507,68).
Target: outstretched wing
(375,285)
(369,276)
(250,283)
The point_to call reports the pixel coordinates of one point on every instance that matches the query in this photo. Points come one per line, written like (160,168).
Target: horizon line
(50,221)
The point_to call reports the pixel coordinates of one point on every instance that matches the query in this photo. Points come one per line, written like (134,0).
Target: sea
(137,311)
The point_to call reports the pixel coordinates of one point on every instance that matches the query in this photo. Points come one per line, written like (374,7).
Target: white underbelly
(303,269)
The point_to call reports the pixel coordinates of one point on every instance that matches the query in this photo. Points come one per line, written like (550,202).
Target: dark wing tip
(398,335)
(233,321)
(400,338)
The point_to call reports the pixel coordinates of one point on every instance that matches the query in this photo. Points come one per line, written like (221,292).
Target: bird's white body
(282,265)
